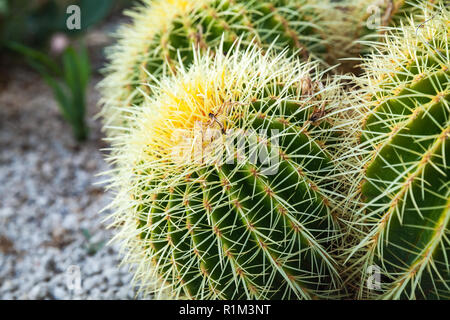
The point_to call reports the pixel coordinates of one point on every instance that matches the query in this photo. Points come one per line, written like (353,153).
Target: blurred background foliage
(35,32)
(33,22)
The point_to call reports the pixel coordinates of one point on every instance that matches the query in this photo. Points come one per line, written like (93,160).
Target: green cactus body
(246,227)
(165,33)
(406,182)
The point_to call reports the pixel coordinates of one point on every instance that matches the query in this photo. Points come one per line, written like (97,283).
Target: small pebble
(38,292)
(49,180)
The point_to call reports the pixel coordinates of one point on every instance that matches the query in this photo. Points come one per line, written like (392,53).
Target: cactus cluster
(243,169)
(166,33)
(405,144)
(255,219)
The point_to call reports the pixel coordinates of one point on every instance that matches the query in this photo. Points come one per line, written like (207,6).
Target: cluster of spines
(190,226)
(372,19)
(165,34)
(405,145)
(231,230)
(389,13)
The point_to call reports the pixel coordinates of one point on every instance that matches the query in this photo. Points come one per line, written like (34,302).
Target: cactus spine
(245,229)
(372,18)
(165,34)
(406,151)
(384,13)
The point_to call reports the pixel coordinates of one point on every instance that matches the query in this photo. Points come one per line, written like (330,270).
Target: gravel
(52,237)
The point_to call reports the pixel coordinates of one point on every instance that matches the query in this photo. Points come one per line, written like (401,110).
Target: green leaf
(94,11)
(84,66)
(86,234)
(35,55)
(71,75)
(62,99)
(3,7)
(71,96)
(76,76)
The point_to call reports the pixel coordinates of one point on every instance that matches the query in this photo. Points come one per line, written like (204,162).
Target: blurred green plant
(91,246)
(68,80)
(33,21)
(3,7)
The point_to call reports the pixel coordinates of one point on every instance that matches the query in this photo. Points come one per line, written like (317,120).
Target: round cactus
(225,186)
(166,33)
(406,151)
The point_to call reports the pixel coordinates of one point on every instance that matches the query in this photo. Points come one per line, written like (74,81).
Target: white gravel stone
(6,212)
(8,285)
(70,222)
(8,296)
(122,294)
(49,180)
(38,292)
(95,294)
(91,282)
(59,293)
